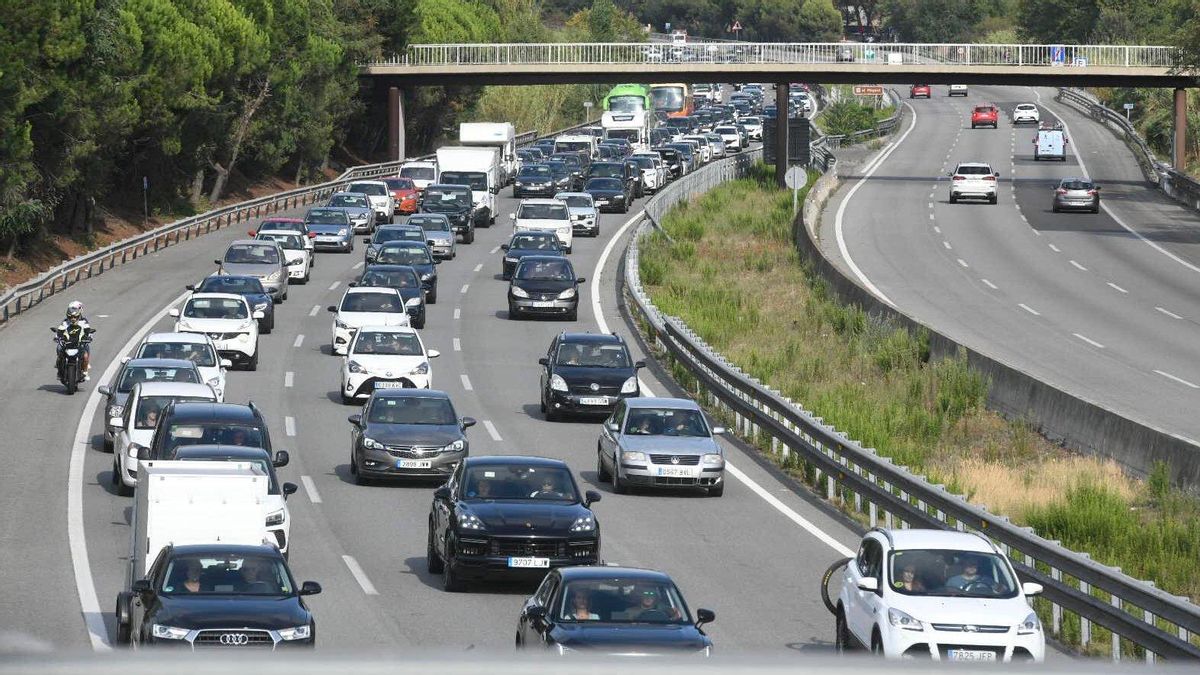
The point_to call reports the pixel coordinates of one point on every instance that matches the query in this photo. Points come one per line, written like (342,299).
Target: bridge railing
(1067,56)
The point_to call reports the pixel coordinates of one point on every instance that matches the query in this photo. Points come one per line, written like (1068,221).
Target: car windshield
(942,573)
(619,600)
(519,481)
(372,189)
(211,433)
(548,270)
(254,254)
(627,104)
(571,159)
(406,255)
(372,302)
(644,162)
(418,172)
(624,134)
(387,344)
(131,375)
(327,217)
(199,353)
(666,422)
(282,225)
(459,198)
(974,171)
(430,224)
(984,109)
(572,146)
(534,243)
(411,410)
(1026,106)
(608,171)
(226,574)
(477,180)
(592,355)
(400,184)
(289,242)
(534,171)
(404,278)
(216,308)
(604,184)
(150,407)
(414,233)
(576,201)
(230,284)
(350,200)
(726,131)
(542,212)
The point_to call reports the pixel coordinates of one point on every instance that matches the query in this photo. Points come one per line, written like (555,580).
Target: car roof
(193,338)
(410,393)
(290,233)
(220,450)
(544,258)
(175,389)
(224,549)
(662,402)
(560,195)
(388,267)
(356,290)
(509,460)
(429,216)
(543,200)
(607,572)
(368,181)
(387,329)
(326,209)
(938,539)
(537,233)
(204,411)
(419,163)
(158,363)
(254,242)
(597,338)
(449,185)
(982,164)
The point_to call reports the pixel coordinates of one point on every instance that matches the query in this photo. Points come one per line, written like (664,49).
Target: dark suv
(587,373)
(203,423)
(456,202)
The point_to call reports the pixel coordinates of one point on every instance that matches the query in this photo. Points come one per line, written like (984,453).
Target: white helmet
(75,310)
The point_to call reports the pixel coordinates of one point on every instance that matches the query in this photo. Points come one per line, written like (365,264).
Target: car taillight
(1061,191)
(960,178)
(991,178)
(1091,192)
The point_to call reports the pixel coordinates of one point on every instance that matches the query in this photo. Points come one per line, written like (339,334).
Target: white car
(423,174)
(544,214)
(1026,113)
(380,196)
(654,171)
(366,306)
(729,134)
(585,218)
(195,347)
(385,357)
(706,149)
(973,180)
(297,255)
(228,320)
(135,427)
(958,90)
(936,594)
(754,127)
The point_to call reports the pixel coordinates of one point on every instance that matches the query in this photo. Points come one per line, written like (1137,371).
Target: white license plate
(676,471)
(529,562)
(389,385)
(543,303)
(970,655)
(601,202)
(413,464)
(593,400)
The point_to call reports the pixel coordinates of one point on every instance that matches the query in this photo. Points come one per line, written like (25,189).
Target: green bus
(626,98)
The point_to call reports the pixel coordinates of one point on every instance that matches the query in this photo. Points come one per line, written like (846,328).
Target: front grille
(679,480)
(676,460)
(959,628)
(542,548)
(223,336)
(234,638)
(586,390)
(412,451)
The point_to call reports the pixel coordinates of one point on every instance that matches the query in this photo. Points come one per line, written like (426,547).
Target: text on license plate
(413,464)
(971,655)
(593,400)
(389,385)
(528,562)
(543,303)
(676,471)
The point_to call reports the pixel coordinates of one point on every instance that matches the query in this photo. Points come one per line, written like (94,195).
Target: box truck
(478,168)
(499,135)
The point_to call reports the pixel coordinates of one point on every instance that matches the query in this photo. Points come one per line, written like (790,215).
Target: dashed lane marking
(1117,288)
(990,284)
(1180,380)
(310,488)
(359,575)
(289,426)
(1088,340)
(466,383)
(1029,309)
(491,429)
(289,378)
(1078,266)
(299,341)
(1169,313)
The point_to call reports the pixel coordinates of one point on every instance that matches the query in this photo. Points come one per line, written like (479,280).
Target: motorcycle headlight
(712,458)
(275,518)
(422,369)
(630,385)
(468,521)
(297,633)
(168,632)
(519,292)
(567,294)
(633,456)
(583,524)
(557,383)
(372,444)
(456,446)
(356,367)
(903,620)
(1030,625)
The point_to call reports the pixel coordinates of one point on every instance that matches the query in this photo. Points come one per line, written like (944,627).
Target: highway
(1102,306)
(754,556)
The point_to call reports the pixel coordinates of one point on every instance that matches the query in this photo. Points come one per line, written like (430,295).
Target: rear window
(542,212)
(1076,185)
(974,171)
(418,172)
(372,189)
(984,109)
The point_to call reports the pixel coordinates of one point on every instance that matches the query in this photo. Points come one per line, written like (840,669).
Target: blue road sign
(1058,54)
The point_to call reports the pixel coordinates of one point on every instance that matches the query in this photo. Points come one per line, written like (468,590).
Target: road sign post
(587,110)
(1128,107)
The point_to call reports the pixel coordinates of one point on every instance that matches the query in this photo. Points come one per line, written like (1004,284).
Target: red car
(404,193)
(985,115)
(920,90)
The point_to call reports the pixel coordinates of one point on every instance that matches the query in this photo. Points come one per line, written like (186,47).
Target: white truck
(633,126)
(479,168)
(499,135)
(576,143)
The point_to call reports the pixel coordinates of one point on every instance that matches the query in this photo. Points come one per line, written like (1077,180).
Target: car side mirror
(997,174)
(355,419)
(226,364)
(1030,588)
(331,308)
(217,261)
(310,588)
(190,287)
(141,586)
(289,489)
(612,426)
(352,284)
(704,616)
(468,422)
(544,361)
(281,459)
(433,353)
(104,390)
(870,584)
(718,431)
(536,612)
(442,494)
(590,497)
(1096,188)
(142,451)
(312,235)
(252,233)
(580,280)
(503,247)
(258,314)
(173,312)
(639,364)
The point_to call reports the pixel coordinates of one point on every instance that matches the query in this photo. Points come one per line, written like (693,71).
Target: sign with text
(868,90)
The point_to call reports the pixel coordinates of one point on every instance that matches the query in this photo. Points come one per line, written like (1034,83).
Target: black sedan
(510,516)
(603,611)
(218,595)
(565,179)
(609,194)
(248,287)
(544,285)
(403,278)
(528,243)
(534,180)
(407,433)
(416,255)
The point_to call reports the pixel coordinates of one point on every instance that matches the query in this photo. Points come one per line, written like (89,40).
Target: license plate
(543,303)
(328,240)
(593,400)
(601,202)
(528,562)
(970,655)
(389,385)
(413,464)
(676,471)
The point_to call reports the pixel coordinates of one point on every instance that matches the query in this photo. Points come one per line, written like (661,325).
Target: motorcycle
(70,357)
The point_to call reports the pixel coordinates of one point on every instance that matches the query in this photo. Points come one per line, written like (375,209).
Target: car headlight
(356,367)
(214,382)
(274,276)
(427,276)
(297,633)
(902,620)
(1030,625)
(519,292)
(372,444)
(340,324)
(567,294)
(412,302)
(342,232)
(456,446)
(557,383)
(168,632)
(244,337)
(469,521)
(509,259)
(630,385)
(422,369)
(633,456)
(261,307)
(712,458)
(520,184)
(115,411)
(583,524)
(275,518)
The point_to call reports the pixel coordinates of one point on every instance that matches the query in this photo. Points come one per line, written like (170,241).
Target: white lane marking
(359,575)
(1078,266)
(314,310)
(299,340)
(494,249)
(1029,309)
(289,426)
(102,316)
(491,429)
(788,512)
(457,313)
(1054,248)
(464,288)
(1116,287)
(1169,313)
(930,204)
(85,585)
(947,245)
(989,284)
(289,378)
(457,345)
(1180,380)
(334,285)
(310,488)
(1024,219)
(931,217)
(608,248)
(358,265)
(963,262)
(466,383)
(1089,341)
(479,267)
(937,229)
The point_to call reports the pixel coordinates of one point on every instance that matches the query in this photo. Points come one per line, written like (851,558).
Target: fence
(1077,588)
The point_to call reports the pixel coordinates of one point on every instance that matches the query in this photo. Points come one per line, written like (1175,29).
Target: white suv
(544,214)
(936,594)
(1026,112)
(380,196)
(195,347)
(973,180)
(228,320)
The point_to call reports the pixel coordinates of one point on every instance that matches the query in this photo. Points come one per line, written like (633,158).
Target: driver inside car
(969,576)
(548,489)
(650,606)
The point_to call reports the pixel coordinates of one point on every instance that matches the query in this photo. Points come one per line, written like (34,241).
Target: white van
(1051,143)
(478,167)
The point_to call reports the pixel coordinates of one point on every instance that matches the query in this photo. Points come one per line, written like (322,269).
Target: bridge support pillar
(781,133)
(395,124)
(1179,147)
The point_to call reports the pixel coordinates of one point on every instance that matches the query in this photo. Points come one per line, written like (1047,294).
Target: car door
(547,370)
(143,606)
(863,614)
(610,439)
(124,440)
(532,630)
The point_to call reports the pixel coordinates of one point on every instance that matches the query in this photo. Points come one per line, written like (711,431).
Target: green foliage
(934,20)
(848,116)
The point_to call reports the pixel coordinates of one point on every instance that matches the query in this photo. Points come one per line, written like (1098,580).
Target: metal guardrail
(1160,623)
(962,54)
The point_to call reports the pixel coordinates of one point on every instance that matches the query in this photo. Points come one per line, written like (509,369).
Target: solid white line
(479,267)
(358,265)
(1029,309)
(608,248)
(494,249)
(1054,248)
(963,262)
(457,345)
(464,288)
(1078,266)
(1178,379)
(359,575)
(1116,287)
(947,245)
(289,426)
(466,382)
(1171,314)
(1089,341)
(491,429)
(299,340)
(289,378)
(314,310)
(334,285)
(85,585)
(311,489)
(457,313)
(787,511)
(989,284)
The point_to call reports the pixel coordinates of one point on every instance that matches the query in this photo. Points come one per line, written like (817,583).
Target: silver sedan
(1076,194)
(661,443)
(438,234)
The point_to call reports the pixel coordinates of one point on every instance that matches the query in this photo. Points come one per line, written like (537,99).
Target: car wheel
(470,238)
(347,400)
(953,199)
(542,402)
(596,232)
(252,364)
(124,629)
(513,316)
(123,490)
(601,472)
(419,323)
(108,445)
(841,633)
(433,562)
(618,485)
(268,326)
(432,299)
(552,415)
(1096,210)
(569,249)
(717,491)
(876,644)
(450,580)
(1054,209)
(992,200)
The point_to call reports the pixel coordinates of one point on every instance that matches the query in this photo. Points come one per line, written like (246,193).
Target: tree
(819,21)
(601,21)
(933,20)
(1057,21)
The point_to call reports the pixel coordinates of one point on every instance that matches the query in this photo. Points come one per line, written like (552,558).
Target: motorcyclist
(72,330)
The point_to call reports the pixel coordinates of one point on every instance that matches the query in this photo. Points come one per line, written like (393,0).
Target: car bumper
(526,190)
(442,251)
(381,464)
(282,535)
(497,566)
(973,194)
(543,307)
(1025,120)
(583,404)
(383,214)
(297,271)
(275,288)
(332,244)
(128,467)
(585,226)
(1076,204)
(671,476)
(363,226)
(937,645)
(360,385)
(189,644)
(610,205)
